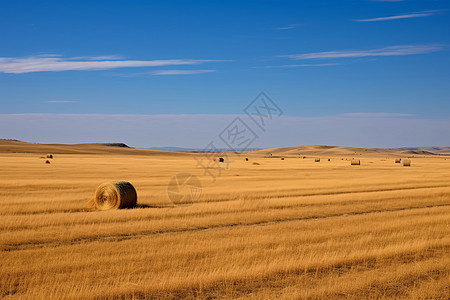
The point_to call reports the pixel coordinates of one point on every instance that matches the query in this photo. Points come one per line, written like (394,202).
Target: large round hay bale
(397,160)
(355,162)
(317,160)
(407,162)
(111,195)
(49,155)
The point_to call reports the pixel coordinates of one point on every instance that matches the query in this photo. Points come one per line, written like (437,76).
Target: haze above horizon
(350,73)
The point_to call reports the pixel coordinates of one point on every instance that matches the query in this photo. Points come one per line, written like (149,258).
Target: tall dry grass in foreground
(289,229)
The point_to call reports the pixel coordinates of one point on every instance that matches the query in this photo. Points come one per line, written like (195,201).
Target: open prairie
(291,228)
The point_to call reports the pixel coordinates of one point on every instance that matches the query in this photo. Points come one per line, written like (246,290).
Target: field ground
(288,228)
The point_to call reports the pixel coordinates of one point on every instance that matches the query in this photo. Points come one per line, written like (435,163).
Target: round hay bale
(246,159)
(282,158)
(221,159)
(329,159)
(120,194)
(397,160)
(317,160)
(49,155)
(407,162)
(355,162)
(47,161)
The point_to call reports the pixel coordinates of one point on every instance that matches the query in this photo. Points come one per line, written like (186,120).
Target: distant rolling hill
(15,146)
(352,151)
(435,150)
(195,149)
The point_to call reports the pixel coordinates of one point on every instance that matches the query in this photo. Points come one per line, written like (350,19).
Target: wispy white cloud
(310,65)
(180,72)
(292,26)
(103,57)
(302,65)
(162,72)
(386,51)
(403,16)
(60,101)
(48,63)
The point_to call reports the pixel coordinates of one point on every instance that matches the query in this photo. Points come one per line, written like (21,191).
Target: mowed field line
(26,208)
(312,233)
(30,221)
(389,277)
(314,256)
(139,234)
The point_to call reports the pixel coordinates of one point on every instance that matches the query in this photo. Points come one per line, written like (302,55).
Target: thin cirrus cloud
(309,65)
(420,14)
(163,72)
(292,26)
(180,72)
(303,65)
(386,51)
(103,57)
(55,63)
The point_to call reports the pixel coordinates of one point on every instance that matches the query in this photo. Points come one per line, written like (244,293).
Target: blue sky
(385,62)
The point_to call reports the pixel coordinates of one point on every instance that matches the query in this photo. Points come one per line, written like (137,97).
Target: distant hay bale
(304,157)
(47,161)
(397,160)
(282,158)
(246,159)
(120,194)
(355,162)
(256,164)
(329,159)
(49,155)
(221,159)
(317,160)
(407,162)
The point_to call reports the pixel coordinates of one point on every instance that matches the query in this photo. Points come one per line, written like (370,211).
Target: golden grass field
(288,228)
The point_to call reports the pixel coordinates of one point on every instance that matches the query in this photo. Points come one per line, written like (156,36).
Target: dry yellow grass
(282,229)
